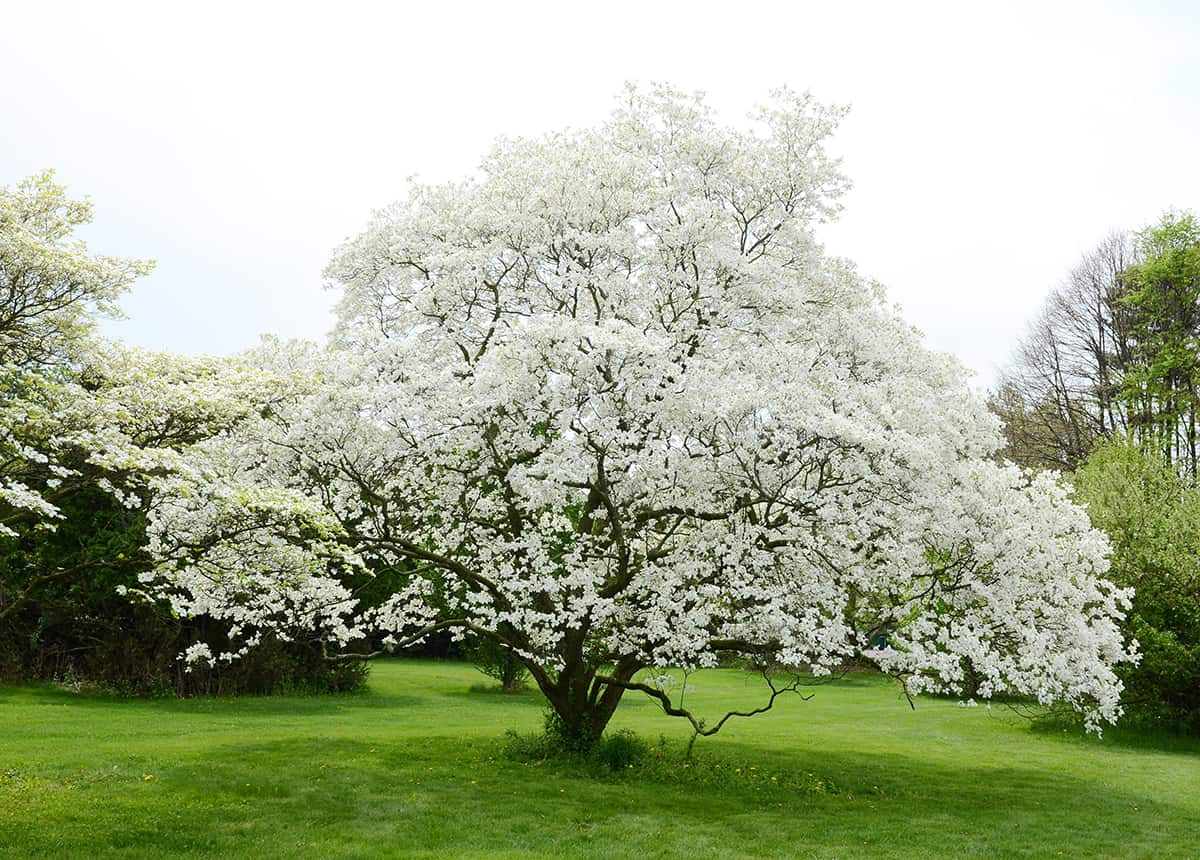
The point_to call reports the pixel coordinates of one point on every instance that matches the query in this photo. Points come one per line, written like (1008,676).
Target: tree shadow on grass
(485,688)
(53,695)
(851,678)
(448,795)
(1120,735)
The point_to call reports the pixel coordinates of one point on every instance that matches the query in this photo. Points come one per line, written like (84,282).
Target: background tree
(498,662)
(50,289)
(1115,350)
(1152,517)
(610,406)
(86,431)
(1106,383)
(1159,386)
(1063,391)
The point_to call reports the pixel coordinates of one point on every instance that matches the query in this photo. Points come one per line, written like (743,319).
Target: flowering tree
(117,425)
(87,429)
(609,405)
(50,289)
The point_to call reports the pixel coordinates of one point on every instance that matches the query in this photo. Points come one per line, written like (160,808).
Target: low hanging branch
(698,724)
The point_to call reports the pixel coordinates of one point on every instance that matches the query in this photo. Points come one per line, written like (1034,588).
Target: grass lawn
(414,767)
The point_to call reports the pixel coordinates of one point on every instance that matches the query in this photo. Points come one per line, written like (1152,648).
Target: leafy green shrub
(1152,517)
(619,750)
(529,747)
(610,752)
(568,738)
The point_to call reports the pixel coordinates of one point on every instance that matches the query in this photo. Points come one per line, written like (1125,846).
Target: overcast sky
(238,144)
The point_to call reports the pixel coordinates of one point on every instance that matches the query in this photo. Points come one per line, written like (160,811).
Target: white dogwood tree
(609,404)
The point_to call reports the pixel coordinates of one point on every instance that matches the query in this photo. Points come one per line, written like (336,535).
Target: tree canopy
(609,405)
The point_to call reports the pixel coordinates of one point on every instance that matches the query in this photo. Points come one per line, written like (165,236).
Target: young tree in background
(1152,517)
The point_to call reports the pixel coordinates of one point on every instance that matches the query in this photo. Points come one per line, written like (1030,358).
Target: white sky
(237,144)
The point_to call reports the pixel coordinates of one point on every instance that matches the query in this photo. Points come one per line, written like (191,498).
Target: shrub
(619,750)
(1152,517)
(611,752)
(529,747)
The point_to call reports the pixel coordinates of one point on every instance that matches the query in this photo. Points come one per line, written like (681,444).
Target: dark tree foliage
(77,626)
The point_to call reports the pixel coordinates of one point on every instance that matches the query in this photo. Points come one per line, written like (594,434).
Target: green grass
(414,767)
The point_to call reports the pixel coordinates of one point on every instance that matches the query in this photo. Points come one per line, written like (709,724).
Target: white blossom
(610,404)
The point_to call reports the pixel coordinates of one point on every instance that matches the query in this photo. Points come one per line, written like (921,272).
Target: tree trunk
(582,706)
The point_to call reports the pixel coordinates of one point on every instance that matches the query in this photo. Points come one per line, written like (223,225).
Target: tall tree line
(1115,351)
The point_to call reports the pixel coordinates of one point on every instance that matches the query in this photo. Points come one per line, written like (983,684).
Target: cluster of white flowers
(611,405)
(198,653)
